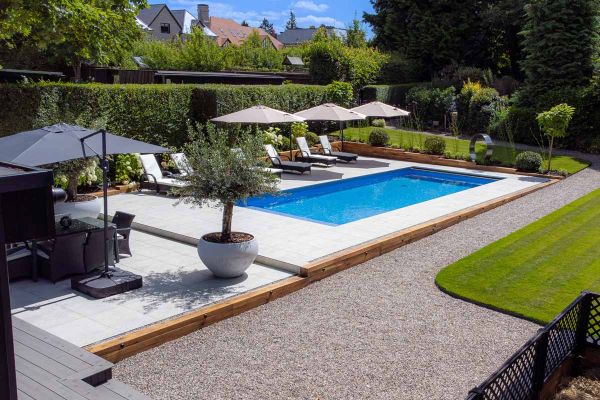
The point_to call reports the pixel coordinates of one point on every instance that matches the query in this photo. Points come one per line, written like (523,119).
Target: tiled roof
(295,36)
(147,15)
(227,29)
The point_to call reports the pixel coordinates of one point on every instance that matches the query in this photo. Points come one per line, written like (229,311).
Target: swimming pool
(348,200)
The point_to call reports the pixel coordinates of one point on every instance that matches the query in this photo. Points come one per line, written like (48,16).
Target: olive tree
(220,176)
(554,124)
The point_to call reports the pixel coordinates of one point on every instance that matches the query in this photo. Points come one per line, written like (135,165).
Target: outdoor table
(78,225)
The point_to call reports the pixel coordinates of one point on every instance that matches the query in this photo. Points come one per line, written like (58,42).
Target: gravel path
(381,330)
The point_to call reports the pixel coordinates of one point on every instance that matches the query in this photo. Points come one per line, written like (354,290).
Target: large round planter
(79,209)
(228,260)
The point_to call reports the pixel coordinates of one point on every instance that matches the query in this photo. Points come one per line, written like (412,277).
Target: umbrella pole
(291,144)
(342,132)
(105,193)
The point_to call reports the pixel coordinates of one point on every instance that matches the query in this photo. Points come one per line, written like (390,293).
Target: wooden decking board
(49,368)
(20,326)
(44,378)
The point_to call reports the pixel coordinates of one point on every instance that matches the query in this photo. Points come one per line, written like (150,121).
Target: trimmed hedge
(153,113)
(389,94)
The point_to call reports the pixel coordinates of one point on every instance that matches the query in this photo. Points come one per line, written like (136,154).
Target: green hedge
(389,94)
(154,113)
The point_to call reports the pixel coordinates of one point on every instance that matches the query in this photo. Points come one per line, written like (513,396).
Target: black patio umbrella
(63,142)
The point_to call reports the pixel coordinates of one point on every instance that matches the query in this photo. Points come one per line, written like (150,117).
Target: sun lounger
(307,156)
(182,163)
(328,150)
(155,178)
(275,171)
(286,166)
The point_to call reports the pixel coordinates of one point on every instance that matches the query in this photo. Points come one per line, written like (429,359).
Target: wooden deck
(49,368)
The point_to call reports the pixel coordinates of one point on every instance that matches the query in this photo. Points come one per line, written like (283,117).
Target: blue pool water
(347,200)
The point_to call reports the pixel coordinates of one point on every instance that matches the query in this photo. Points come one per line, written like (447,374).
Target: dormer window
(165,28)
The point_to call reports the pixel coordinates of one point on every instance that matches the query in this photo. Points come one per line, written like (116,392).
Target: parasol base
(100,284)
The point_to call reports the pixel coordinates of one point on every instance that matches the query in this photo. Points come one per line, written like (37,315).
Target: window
(165,28)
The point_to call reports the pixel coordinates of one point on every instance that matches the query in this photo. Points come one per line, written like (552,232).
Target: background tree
(245,23)
(268,27)
(559,43)
(355,35)
(436,33)
(291,23)
(73,31)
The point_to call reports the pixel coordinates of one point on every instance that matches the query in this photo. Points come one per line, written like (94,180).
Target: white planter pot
(79,209)
(228,260)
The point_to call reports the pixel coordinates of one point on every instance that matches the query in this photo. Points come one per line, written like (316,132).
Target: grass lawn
(538,270)
(504,155)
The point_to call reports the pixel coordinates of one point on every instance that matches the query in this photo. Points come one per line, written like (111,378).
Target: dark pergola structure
(26,212)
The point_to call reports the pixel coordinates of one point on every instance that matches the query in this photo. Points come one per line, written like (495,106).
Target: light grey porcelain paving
(175,281)
(293,242)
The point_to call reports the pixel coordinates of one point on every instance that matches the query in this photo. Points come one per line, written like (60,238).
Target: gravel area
(380,330)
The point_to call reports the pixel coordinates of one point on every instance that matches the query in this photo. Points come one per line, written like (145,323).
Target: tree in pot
(220,177)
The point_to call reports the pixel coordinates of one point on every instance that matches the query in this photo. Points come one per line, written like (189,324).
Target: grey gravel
(380,330)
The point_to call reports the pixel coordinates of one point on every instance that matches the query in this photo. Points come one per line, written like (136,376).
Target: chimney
(203,14)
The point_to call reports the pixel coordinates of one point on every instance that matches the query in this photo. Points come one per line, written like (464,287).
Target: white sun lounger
(341,155)
(182,163)
(307,156)
(155,178)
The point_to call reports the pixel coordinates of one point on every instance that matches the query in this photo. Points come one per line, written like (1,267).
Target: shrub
(378,123)
(476,106)
(431,103)
(312,138)
(528,161)
(434,145)
(390,94)
(379,137)
(340,93)
(127,168)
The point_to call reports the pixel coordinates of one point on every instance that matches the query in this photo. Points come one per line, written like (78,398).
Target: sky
(338,13)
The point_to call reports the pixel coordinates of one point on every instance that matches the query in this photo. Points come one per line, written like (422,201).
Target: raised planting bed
(367,150)
(565,347)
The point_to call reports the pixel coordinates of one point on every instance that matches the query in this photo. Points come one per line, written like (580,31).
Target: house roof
(301,35)
(179,16)
(148,15)
(228,29)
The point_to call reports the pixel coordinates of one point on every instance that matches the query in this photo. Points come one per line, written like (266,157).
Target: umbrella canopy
(330,112)
(377,109)
(62,142)
(258,115)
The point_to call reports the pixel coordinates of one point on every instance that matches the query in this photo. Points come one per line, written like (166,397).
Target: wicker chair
(123,222)
(62,256)
(93,253)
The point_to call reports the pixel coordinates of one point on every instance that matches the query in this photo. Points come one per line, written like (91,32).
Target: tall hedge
(154,113)
(389,94)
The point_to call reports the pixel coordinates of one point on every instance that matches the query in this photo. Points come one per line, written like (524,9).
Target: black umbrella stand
(109,281)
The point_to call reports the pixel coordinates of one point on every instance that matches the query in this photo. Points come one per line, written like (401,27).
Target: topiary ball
(379,137)
(378,123)
(434,145)
(528,161)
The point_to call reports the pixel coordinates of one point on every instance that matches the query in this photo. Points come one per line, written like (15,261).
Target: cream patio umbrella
(260,115)
(377,109)
(331,112)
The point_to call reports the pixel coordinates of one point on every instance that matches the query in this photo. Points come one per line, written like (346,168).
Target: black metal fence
(524,374)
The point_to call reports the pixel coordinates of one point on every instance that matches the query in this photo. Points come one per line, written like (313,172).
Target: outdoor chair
(155,178)
(286,166)
(19,262)
(275,171)
(62,256)
(328,151)
(182,163)
(307,156)
(123,222)
(93,252)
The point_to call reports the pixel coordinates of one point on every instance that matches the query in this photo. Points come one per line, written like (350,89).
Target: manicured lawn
(538,270)
(504,155)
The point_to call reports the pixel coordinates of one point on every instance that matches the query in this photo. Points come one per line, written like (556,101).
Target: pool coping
(131,343)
